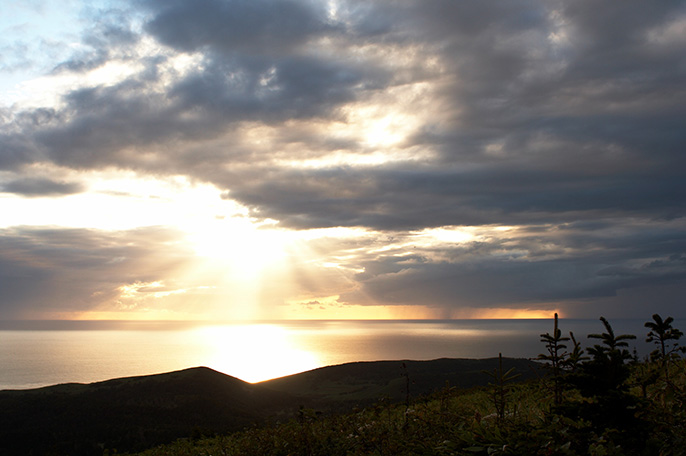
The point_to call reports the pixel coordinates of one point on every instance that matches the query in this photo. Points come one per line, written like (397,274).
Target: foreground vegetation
(596,401)
(136,413)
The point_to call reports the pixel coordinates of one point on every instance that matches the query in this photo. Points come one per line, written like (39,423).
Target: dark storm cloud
(269,90)
(56,270)
(40,187)
(534,269)
(107,123)
(396,199)
(498,283)
(102,125)
(263,26)
(591,120)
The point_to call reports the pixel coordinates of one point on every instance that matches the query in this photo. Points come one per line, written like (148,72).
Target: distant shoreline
(37,325)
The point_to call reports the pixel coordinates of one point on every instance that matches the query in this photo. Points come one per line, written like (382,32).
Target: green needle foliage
(602,383)
(661,333)
(556,356)
(500,390)
(612,345)
(664,336)
(576,357)
(607,370)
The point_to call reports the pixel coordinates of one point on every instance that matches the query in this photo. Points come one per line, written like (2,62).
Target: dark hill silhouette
(135,413)
(364,382)
(130,413)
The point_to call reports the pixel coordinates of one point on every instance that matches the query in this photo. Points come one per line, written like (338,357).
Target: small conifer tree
(556,357)
(664,336)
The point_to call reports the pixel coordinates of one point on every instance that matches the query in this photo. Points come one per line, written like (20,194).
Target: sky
(295,159)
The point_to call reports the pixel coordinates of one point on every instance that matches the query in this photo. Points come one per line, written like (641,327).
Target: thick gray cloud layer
(55,272)
(246,26)
(40,187)
(575,264)
(540,114)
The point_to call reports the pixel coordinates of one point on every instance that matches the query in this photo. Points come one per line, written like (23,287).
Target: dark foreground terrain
(131,414)
(601,401)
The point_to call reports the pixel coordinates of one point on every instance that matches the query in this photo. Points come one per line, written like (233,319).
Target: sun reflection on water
(255,352)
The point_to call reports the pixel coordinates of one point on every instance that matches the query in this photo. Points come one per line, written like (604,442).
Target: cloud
(530,119)
(110,37)
(546,267)
(562,118)
(54,271)
(40,187)
(262,26)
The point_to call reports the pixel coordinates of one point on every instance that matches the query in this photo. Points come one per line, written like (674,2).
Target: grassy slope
(362,382)
(463,422)
(139,412)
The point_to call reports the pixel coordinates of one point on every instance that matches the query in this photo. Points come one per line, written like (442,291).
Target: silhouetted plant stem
(661,333)
(556,356)
(499,390)
(406,375)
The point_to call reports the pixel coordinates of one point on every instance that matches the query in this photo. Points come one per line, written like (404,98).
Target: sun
(247,265)
(239,242)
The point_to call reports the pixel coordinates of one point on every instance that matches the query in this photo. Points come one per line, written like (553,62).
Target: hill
(134,413)
(644,416)
(363,382)
(130,413)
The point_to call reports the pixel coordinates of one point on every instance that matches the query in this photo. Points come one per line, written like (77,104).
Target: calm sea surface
(34,354)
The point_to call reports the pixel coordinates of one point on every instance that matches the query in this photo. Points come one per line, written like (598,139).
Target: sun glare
(240,242)
(450,235)
(255,352)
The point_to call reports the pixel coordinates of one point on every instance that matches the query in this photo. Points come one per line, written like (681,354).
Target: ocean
(41,353)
